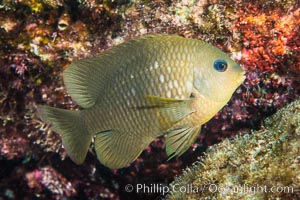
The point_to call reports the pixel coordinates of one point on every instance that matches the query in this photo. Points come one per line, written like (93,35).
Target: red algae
(268,37)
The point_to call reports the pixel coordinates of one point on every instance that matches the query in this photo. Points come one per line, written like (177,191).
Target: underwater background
(40,38)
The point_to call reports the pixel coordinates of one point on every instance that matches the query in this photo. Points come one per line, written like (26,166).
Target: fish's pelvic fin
(170,110)
(116,148)
(69,124)
(179,140)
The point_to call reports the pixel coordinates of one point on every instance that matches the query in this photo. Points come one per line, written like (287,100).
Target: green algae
(264,164)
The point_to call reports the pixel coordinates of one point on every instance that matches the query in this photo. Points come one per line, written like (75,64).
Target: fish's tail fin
(70,125)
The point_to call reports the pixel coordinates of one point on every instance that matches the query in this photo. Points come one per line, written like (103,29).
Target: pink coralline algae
(13,148)
(48,178)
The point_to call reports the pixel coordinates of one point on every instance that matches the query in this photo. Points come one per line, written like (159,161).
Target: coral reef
(261,165)
(39,38)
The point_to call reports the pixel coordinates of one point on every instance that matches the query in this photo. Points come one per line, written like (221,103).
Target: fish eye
(220,65)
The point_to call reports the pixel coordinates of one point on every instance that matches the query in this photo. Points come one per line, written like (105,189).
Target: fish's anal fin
(116,148)
(169,110)
(178,140)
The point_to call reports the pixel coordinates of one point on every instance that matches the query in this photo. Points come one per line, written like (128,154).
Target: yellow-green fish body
(151,86)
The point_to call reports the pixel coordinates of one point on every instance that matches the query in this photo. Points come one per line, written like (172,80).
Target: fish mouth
(240,74)
(241,78)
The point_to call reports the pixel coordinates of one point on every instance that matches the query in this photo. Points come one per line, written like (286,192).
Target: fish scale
(144,88)
(147,83)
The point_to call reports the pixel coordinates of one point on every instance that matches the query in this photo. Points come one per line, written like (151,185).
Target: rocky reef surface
(263,164)
(39,38)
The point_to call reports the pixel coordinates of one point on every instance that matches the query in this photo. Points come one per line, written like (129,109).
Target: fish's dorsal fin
(117,148)
(84,78)
(179,140)
(169,110)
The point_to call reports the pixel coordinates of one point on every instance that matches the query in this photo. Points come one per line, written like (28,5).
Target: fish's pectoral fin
(116,148)
(169,110)
(180,139)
